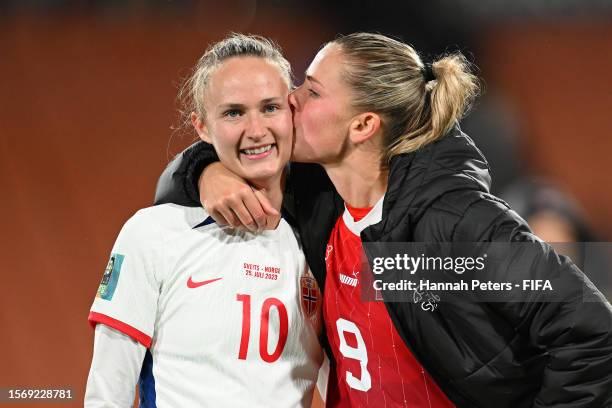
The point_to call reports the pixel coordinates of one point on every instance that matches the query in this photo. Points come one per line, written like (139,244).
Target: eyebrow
(273,99)
(240,105)
(231,106)
(313,79)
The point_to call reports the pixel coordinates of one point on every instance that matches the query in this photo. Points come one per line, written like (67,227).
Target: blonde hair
(388,77)
(191,93)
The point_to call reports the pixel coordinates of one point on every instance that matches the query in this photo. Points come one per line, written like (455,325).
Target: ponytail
(447,98)
(418,104)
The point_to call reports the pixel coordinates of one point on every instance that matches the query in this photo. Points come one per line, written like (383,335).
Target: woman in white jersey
(383,125)
(198,314)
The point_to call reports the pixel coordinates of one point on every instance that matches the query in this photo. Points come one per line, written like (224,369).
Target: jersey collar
(373,217)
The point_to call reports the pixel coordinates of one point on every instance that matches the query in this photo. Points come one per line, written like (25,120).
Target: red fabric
(358,213)
(95,318)
(373,357)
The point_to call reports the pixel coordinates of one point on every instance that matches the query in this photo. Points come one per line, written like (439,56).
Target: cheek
(311,117)
(281,127)
(287,125)
(225,140)
(320,123)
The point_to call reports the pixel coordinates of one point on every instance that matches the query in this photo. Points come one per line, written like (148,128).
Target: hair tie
(428,73)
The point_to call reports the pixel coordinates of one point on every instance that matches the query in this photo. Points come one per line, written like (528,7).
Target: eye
(232,113)
(312,93)
(271,108)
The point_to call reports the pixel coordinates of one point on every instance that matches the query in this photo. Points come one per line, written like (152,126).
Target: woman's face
(248,118)
(322,110)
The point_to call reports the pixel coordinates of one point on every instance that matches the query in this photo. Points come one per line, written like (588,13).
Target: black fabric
(515,354)
(178,183)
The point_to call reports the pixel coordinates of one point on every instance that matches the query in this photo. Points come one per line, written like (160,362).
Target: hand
(230,200)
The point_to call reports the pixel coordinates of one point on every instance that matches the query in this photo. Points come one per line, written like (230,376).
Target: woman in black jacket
(383,126)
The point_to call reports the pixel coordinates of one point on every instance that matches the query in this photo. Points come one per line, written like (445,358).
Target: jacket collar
(419,178)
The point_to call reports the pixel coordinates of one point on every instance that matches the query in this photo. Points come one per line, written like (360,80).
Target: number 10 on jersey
(264,325)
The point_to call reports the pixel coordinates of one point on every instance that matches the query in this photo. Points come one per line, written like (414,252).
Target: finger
(214,213)
(253,206)
(272,216)
(267,207)
(272,221)
(244,216)
(225,214)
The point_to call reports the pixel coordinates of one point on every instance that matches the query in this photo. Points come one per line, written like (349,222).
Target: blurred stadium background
(88,122)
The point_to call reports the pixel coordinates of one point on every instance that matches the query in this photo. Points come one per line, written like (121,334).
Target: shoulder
(156,222)
(474,216)
(485,217)
(167,215)
(289,234)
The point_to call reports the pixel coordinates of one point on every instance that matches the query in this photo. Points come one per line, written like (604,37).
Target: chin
(263,175)
(304,158)
(303,153)
(298,155)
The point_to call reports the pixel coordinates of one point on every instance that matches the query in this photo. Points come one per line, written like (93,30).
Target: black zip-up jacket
(481,354)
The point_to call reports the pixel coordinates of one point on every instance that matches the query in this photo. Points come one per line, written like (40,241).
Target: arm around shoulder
(178,183)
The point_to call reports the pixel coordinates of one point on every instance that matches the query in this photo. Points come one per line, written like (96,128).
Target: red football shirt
(373,365)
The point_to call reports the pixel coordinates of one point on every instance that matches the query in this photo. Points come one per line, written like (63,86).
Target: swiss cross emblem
(310,294)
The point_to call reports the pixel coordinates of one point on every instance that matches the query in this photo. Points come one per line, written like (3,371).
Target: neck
(358,178)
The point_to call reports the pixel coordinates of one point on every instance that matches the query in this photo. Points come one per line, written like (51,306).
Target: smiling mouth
(258,150)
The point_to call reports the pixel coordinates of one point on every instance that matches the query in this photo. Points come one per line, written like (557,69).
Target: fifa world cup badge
(110,277)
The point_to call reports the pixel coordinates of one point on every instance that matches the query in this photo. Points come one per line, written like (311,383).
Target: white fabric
(115,366)
(373,217)
(323,378)
(196,332)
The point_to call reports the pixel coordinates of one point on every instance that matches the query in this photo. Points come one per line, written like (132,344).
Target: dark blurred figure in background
(553,214)
(557,218)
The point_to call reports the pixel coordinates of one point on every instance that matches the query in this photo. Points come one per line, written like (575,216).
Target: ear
(364,126)
(200,127)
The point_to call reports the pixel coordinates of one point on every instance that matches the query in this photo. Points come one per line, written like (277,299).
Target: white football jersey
(231,318)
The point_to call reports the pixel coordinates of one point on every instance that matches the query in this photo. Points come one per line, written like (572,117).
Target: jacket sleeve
(574,331)
(178,183)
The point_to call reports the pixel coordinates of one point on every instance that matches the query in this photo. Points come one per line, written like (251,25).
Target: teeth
(259,150)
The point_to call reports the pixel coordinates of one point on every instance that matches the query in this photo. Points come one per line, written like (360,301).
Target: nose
(255,128)
(293,100)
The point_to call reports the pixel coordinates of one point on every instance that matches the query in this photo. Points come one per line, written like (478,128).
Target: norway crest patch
(310,295)
(110,277)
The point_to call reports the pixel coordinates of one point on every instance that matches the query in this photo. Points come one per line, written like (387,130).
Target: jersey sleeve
(116,363)
(128,293)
